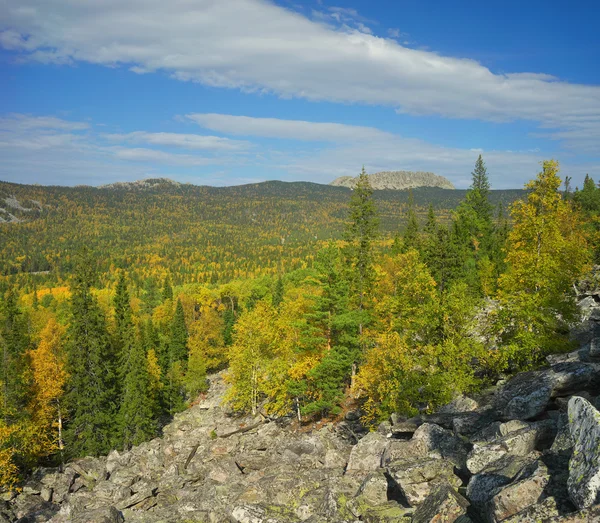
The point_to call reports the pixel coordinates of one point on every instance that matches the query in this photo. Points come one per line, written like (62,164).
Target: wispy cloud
(183,141)
(256,45)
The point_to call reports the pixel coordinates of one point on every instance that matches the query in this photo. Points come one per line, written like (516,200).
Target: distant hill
(397,180)
(196,233)
(149,183)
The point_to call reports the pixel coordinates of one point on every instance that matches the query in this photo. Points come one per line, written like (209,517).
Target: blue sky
(223,92)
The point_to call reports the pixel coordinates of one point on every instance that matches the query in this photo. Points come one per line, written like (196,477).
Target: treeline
(394,325)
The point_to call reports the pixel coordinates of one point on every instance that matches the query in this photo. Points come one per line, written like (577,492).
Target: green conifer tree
(178,349)
(14,341)
(332,322)
(136,412)
(361,232)
(167,292)
(91,395)
(124,337)
(278,292)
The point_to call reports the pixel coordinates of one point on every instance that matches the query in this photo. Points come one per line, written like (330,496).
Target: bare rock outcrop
(397,180)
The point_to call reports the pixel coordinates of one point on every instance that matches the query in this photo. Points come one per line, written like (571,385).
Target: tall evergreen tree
(124,338)
(361,232)
(278,293)
(167,292)
(91,392)
(14,341)
(228,324)
(333,322)
(174,377)
(137,410)
(480,192)
(178,342)
(473,228)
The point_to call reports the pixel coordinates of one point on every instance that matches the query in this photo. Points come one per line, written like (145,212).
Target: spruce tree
(91,392)
(137,410)
(174,377)
(361,232)
(480,192)
(124,338)
(431,223)
(228,324)
(333,322)
(278,292)
(14,341)
(473,227)
(167,292)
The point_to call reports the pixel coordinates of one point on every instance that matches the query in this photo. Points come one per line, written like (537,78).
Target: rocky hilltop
(149,183)
(397,180)
(525,451)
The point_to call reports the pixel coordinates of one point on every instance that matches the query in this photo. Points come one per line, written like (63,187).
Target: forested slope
(198,234)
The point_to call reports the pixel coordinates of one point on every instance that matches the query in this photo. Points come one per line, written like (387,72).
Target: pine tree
(136,414)
(91,395)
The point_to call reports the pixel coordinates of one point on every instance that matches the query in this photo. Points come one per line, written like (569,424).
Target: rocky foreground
(526,451)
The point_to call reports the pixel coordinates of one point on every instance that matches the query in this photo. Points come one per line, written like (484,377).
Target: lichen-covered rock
(518,495)
(417,478)
(481,486)
(525,396)
(571,377)
(441,443)
(518,443)
(367,453)
(101,515)
(584,466)
(373,490)
(459,405)
(591,515)
(444,504)
(541,511)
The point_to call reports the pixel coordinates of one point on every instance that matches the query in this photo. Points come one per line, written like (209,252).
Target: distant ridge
(149,183)
(398,180)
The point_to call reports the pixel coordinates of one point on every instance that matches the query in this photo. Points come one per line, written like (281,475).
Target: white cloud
(255,45)
(288,129)
(183,141)
(24,122)
(141,154)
